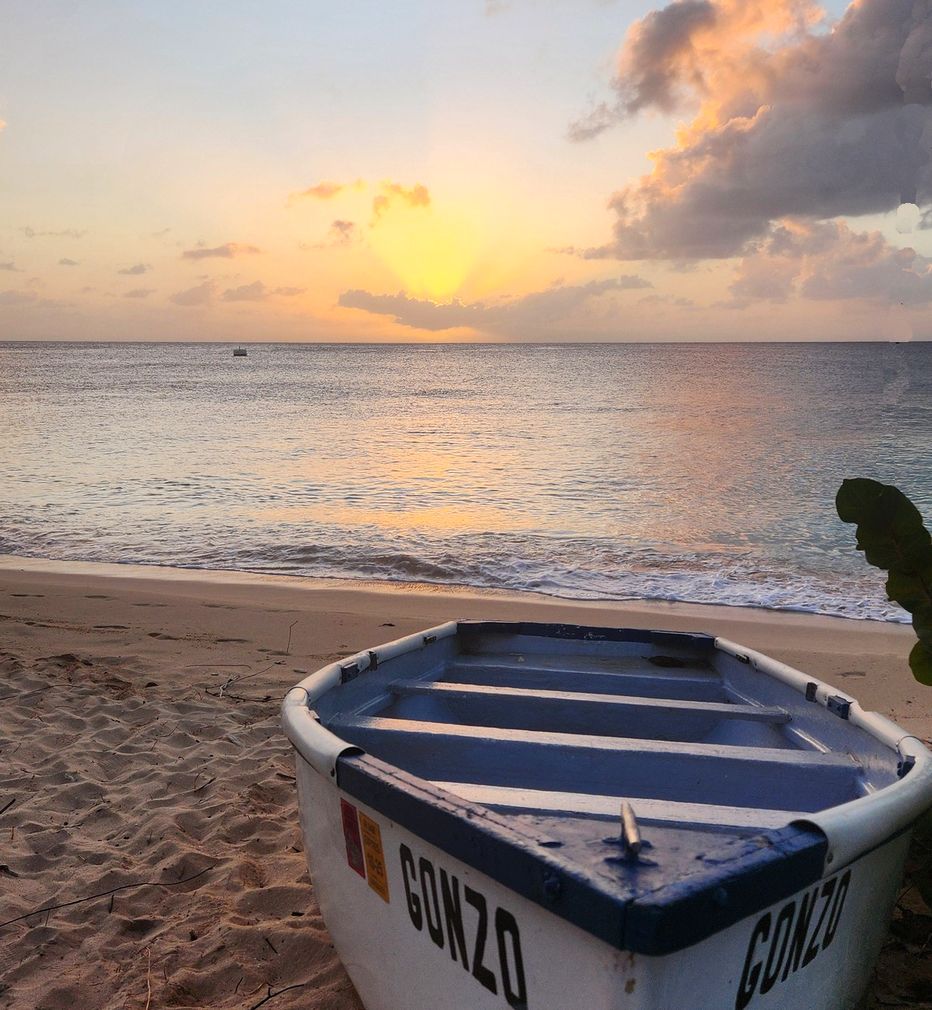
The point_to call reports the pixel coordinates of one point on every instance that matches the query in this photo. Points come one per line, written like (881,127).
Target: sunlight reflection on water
(696,472)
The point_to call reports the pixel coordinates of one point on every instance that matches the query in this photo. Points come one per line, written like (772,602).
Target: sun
(431,251)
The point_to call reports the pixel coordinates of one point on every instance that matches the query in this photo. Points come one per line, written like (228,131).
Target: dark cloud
(254,292)
(829,261)
(30,298)
(677,301)
(135,270)
(341,233)
(11,267)
(144,293)
(65,262)
(540,311)
(258,292)
(200,294)
(657,52)
(818,124)
(228,250)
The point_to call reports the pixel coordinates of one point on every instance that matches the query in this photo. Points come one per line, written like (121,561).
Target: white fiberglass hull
(408,923)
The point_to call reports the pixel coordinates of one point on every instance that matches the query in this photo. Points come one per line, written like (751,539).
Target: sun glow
(431,252)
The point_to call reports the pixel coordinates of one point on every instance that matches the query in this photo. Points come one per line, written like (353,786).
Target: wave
(570,569)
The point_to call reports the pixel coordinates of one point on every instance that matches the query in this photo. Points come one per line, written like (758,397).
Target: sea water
(694,472)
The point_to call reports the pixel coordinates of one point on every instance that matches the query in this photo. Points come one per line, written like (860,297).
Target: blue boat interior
(513,746)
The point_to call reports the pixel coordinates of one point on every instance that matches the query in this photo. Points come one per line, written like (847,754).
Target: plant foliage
(892,536)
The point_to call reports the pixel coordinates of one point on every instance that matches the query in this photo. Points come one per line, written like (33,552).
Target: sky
(520,170)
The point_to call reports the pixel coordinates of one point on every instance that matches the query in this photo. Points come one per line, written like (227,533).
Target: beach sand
(139,742)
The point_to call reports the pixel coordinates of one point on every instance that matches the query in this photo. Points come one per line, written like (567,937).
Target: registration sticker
(375,858)
(351,835)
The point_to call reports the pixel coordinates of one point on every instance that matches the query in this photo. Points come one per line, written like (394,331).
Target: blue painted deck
(512,747)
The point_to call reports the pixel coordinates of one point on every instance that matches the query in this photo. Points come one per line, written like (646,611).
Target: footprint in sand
(238,640)
(96,596)
(162,635)
(111,627)
(31,596)
(148,604)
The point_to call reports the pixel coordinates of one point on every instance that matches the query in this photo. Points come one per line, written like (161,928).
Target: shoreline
(133,569)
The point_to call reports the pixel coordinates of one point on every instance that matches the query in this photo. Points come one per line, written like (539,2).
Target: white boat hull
(406,950)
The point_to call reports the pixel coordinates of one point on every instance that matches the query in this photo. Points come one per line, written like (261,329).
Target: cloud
(29,298)
(326,190)
(65,262)
(829,261)
(389,193)
(417,195)
(18,297)
(66,233)
(254,292)
(200,294)
(341,233)
(677,301)
(11,267)
(135,270)
(144,293)
(790,121)
(228,250)
(521,317)
(258,292)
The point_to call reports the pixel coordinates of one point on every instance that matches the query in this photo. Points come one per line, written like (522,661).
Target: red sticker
(354,854)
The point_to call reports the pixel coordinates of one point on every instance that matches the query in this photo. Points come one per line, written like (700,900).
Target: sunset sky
(499,170)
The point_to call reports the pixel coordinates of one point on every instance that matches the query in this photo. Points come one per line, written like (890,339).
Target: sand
(139,742)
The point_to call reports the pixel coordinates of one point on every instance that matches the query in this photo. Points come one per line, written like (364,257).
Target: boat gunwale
(811,847)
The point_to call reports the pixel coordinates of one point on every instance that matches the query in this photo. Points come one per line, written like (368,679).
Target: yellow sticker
(375,860)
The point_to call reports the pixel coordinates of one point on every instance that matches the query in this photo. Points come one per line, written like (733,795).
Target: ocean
(692,472)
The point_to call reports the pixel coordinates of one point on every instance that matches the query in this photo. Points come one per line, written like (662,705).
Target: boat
(547,816)
(239,352)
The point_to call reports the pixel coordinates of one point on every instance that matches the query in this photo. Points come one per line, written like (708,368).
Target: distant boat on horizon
(239,352)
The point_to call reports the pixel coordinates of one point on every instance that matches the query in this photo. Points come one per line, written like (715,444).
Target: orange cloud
(415,196)
(789,122)
(326,190)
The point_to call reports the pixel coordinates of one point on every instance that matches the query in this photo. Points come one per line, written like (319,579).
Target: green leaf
(920,662)
(892,536)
